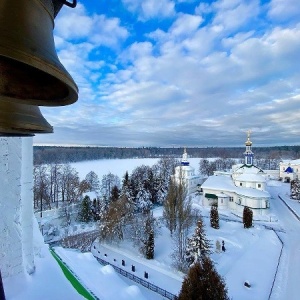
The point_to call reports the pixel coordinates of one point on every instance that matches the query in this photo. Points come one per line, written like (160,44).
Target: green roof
(212,196)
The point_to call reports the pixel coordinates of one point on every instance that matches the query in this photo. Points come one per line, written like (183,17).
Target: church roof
(289,170)
(249,170)
(292,162)
(250,177)
(225,184)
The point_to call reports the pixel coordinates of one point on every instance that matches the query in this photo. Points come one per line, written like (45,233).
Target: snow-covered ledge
(16,206)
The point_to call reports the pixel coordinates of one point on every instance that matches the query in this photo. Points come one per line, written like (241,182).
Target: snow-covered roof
(250,178)
(292,162)
(248,170)
(225,184)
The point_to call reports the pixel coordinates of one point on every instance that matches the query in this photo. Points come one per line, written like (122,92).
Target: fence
(139,280)
(292,211)
(271,291)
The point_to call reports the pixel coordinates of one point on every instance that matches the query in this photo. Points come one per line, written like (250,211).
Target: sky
(175,73)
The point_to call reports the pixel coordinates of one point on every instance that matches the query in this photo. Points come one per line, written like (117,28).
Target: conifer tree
(214,217)
(198,246)
(149,237)
(203,283)
(247,217)
(115,193)
(85,213)
(295,189)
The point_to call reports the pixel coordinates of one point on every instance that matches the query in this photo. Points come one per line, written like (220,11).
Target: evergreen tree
(115,193)
(198,246)
(214,217)
(143,201)
(247,217)
(149,237)
(203,283)
(85,213)
(126,188)
(295,189)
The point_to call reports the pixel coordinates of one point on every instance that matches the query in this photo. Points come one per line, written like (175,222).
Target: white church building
(184,173)
(289,170)
(244,185)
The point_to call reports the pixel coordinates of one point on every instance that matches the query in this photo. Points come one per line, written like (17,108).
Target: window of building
(241,184)
(259,185)
(230,199)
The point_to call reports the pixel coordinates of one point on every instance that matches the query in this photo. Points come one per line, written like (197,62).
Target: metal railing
(292,211)
(277,267)
(139,280)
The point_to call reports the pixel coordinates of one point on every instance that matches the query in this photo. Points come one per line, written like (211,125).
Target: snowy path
(287,283)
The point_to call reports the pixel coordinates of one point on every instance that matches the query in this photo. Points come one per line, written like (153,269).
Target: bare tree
(108,182)
(93,180)
(113,221)
(70,184)
(180,207)
(206,167)
(170,207)
(41,188)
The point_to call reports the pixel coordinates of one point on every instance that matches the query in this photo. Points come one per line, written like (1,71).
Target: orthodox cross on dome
(184,161)
(248,142)
(248,153)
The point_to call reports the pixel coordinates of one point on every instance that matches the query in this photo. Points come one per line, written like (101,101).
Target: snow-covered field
(251,255)
(119,166)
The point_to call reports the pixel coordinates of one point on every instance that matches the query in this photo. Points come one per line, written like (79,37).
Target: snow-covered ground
(119,166)
(251,255)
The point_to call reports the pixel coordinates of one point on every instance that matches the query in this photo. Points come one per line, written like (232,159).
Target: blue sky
(179,73)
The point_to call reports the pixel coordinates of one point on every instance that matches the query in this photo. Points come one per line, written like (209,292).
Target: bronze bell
(30,71)
(21,120)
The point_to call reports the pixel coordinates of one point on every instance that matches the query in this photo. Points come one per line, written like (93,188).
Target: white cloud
(73,24)
(232,14)
(185,25)
(149,9)
(184,83)
(77,25)
(107,31)
(284,10)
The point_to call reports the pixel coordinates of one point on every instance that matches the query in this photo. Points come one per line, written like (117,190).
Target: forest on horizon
(63,154)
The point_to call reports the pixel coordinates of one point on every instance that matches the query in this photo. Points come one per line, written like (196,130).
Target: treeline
(55,154)
(58,185)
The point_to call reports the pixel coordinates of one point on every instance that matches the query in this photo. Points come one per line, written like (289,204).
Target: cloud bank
(179,73)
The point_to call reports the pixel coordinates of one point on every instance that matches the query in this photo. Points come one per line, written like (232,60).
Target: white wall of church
(254,185)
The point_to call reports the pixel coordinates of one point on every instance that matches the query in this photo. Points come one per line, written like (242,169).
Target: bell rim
(59,73)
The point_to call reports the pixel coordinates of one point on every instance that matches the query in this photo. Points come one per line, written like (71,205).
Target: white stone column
(16,211)
(10,198)
(27,204)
